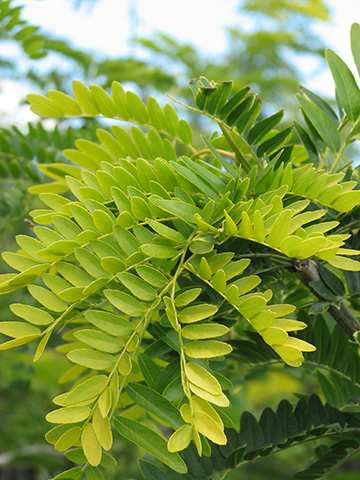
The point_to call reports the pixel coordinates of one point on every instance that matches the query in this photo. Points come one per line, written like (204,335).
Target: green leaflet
(218,281)
(158,251)
(151,441)
(91,359)
(18,329)
(155,403)
(33,315)
(203,331)
(47,299)
(16,342)
(64,102)
(322,123)
(346,86)
(258,131)
(90,263)
(280,229)
(355,35)
(99,340)
(186,297)
(84,98)
(44,106)
(137,286)
(18,262)
(156,114)
(103,101)
(251,304)
(195,180)
(166,231)
(93,473)
(346,201)
(197,312)
(124,302)
(125,365)
(180,209)
(152,276)
(149,369)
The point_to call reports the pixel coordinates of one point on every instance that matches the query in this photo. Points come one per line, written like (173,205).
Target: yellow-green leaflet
(91,445)
(109,322)
(68,439)
(280,229)
(184,298)
(218,281)
(17,342)
(18,329)
(137,286)
(199,405)
(197,312)
(68,415)
(209,428)
(105,402)
(229,225)
(88,389)
(344,263)
(47,299)
(124,302)
(100,340)
(125,364)
(91,359)
(185,411)
(180,439)
(102,429)
(220,400)
(207,349)
(274,336)
(202,378)
(204,330)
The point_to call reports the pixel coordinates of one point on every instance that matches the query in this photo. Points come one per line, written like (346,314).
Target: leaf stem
(239,157)
(337,158)
(222,152)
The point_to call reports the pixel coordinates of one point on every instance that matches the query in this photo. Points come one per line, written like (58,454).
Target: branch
(307,272)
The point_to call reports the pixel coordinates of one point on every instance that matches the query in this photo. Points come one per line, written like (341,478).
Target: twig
(307,272)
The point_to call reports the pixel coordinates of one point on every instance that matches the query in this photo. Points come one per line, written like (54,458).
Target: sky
(105,28)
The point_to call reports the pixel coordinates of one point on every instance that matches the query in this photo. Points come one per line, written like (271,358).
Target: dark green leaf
(146,438)
(269,146)
(155,403)
(258,131)
(149,369)
(331,280)
(322,290)
(321,122)
(346,86)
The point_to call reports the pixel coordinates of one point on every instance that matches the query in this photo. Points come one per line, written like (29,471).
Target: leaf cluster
(140,261)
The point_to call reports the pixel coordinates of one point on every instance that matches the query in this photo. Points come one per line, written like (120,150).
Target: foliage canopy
(162,261)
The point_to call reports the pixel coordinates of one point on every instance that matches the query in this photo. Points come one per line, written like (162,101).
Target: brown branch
(307,272)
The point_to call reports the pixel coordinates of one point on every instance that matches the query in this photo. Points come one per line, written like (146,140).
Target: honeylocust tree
(162,265)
